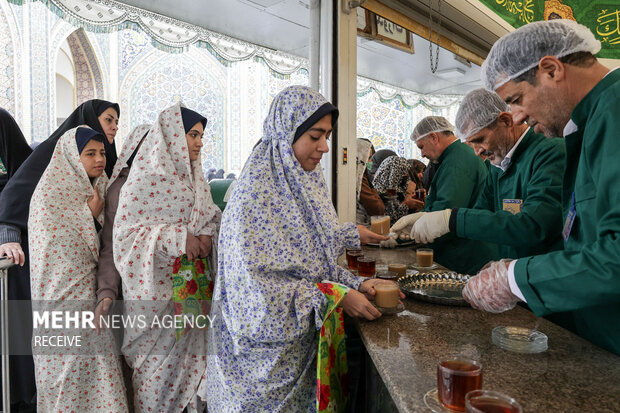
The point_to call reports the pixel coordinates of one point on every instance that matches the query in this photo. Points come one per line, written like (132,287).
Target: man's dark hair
(582,59)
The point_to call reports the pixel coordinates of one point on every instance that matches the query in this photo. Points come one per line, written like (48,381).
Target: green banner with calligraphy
(601,16)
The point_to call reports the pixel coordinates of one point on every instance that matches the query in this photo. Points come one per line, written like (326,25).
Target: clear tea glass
(487,401)
(424,257)
(380,224)
(455,378)
(366,267)
(352,257)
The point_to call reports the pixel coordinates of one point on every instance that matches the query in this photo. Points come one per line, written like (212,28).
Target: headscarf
(85,135)
(379,157)
(363,152)
(276,198)
(190,118)
(392,174)
(164,198)
(15,199)
(60,219)
(13,146)
(129,152)
(279,236)
(64,252)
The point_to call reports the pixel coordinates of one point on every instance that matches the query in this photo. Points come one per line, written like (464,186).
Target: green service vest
(458,181)
(583,280)
(532,183)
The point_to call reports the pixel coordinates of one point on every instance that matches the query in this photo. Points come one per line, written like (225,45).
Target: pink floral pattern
(64,251)
(164,198)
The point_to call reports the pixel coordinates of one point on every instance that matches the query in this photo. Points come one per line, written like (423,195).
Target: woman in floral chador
(166,221)
(278,299)
(65,212)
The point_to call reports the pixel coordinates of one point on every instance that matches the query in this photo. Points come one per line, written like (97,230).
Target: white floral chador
(64,251)
(164,198)
(280,235)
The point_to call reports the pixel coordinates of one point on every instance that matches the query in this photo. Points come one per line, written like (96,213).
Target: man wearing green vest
(546,71)
(519,207)
(458,181)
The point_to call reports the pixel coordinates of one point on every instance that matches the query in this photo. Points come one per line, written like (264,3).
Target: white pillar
(345,92)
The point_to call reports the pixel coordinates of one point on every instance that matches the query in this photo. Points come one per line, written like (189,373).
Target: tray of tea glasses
(440,288)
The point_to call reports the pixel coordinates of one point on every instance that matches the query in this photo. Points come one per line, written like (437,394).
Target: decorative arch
(88,78)
(161,79)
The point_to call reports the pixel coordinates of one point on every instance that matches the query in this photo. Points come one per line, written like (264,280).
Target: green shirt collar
(582,111)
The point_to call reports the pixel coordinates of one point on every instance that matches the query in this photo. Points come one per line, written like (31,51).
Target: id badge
(570,219)
(513,206)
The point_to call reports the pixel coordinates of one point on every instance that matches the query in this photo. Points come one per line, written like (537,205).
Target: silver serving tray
(440,288)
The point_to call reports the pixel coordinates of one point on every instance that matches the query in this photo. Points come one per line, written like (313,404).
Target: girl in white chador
(165,212)
(65,214)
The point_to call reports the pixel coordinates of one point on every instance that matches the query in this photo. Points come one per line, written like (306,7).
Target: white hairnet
(478,110)
(519,51)
(430,124)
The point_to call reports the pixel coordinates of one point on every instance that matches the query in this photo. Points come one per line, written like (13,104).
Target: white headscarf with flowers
(164,198)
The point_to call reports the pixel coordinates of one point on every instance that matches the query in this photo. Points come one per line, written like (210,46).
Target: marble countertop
(573,375)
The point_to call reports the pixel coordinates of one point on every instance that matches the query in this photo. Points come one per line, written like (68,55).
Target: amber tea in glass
(366,267)
(455,378)
(352,257)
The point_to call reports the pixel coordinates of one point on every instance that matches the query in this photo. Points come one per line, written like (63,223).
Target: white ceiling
(284,25)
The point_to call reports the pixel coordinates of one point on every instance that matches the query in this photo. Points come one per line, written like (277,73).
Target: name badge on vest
(512,205)
(570,219)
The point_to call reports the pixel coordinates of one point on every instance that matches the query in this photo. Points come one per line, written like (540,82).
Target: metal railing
(5,264)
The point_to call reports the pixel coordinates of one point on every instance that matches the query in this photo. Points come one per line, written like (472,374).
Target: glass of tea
(366,266)
(352,257)
(487,401)
(424,257)
(400,269)
(380,224)
(455,378)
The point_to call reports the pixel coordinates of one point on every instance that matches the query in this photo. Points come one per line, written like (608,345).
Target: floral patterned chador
(64,251)
(280,237)
(164,198)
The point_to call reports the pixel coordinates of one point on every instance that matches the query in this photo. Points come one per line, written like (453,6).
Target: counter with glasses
(572,375)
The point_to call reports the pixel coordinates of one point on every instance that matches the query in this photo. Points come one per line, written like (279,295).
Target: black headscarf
(13,146)
(190,118)
(379,157)
(15,198)
(324,110)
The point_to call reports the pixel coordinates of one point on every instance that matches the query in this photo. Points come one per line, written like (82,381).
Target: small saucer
(390,311)
(419,267)
(431,400)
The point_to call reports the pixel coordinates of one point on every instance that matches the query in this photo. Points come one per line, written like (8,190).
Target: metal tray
(440,288)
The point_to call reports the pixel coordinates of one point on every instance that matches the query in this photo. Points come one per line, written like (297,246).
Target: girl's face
(194,141)
(109,123)
(93,159)
(312,144)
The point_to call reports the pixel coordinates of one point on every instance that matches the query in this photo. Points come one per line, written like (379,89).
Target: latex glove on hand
(406,223)
(390,243)
(490,289)
(431,226)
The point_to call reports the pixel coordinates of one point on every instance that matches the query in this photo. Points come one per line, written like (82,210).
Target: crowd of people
(537,221)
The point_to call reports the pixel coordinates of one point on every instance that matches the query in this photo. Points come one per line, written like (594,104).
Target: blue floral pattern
(280,235)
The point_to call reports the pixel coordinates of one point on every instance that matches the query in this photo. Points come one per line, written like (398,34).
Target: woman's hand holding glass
(367,288)
(367,236)
(355,304)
